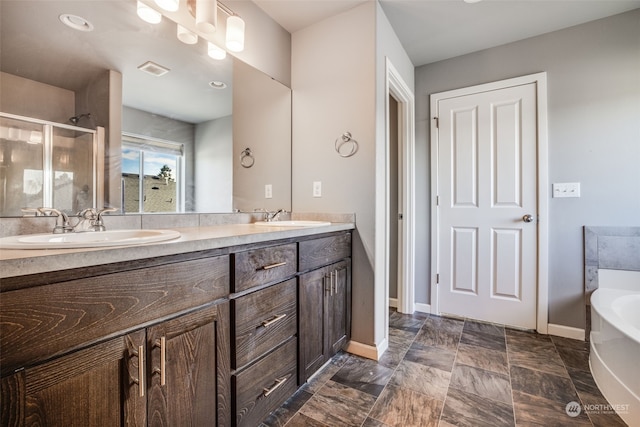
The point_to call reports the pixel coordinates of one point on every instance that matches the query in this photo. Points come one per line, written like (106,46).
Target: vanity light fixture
(235,33)
(216,52)
(148,14)
(76,22)
(168,5)
(206,15)
(472,1)
(186,36)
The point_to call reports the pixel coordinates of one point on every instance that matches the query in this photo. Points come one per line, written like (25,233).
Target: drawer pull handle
(279,382)
(267,323)
(277,264)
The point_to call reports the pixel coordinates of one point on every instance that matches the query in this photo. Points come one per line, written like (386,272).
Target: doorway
(489,182)
(399,252)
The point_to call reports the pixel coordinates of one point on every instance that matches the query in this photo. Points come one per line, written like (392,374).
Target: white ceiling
(433,30)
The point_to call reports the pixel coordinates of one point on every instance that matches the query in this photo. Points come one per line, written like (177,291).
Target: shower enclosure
(46,164)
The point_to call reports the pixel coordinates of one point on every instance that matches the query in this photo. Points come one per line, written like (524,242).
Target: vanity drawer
(265,265)
(263,320)
(44,321)
(264,386)
(324,251)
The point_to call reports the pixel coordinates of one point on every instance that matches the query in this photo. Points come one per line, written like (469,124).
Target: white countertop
(20,262)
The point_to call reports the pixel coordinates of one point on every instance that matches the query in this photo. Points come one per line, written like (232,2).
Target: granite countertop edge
(18,262)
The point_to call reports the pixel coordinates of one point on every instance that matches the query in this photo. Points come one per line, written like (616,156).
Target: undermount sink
(293,223)
(94,239)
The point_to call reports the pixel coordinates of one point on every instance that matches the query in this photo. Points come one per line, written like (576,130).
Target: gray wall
(338,82)
(593,73)
(213,186)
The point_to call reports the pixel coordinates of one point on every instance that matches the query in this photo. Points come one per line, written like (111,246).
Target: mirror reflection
(173,134)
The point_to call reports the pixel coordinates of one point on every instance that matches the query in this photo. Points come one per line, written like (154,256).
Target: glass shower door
(45,164)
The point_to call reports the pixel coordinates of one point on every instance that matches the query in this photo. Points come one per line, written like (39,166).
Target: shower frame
(48,127)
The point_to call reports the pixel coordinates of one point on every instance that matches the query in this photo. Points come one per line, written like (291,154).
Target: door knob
(527,218)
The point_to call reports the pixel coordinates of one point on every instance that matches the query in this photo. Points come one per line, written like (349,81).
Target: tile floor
(447,372)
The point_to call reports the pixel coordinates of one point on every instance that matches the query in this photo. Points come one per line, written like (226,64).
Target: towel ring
(246,158)
(346,140)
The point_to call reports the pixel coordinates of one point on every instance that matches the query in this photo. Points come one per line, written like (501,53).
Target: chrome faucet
(62,220)
(272,216)
(89,220)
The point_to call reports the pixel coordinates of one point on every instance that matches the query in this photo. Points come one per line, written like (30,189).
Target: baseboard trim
(566,332)
(423,308)
(393,302)
(367,351)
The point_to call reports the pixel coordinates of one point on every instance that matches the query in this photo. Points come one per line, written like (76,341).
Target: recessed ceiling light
(76,22)
(217,85)
(472,1)
(154,69)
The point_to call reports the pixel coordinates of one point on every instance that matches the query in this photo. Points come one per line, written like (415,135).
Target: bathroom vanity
(218,327)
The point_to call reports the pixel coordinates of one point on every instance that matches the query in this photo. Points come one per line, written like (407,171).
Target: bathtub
(615,341)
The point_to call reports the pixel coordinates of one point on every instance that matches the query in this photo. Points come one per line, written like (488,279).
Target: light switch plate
(566,189)
(268,191)
(317,188)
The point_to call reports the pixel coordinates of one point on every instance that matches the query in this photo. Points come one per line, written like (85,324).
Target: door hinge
(438,279)
(437,122)
(400,216)
(437,200)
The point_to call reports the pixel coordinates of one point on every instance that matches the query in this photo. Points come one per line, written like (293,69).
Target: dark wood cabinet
(218,337)
(264,326)
(96,386)
(188,360)
(324,302)
(143,347)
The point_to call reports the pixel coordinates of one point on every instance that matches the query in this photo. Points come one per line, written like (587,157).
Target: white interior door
(487,210)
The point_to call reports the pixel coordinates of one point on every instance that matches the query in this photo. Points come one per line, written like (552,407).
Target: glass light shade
(186,36)
(235,34)
(216,52)
(169,5)
(206,15)
(147,14)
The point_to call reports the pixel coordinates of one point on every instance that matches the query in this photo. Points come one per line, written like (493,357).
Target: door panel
(486,184)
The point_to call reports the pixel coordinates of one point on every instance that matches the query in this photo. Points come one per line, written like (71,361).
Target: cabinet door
(97,386)
(312,289)
(337,306)
(189,369)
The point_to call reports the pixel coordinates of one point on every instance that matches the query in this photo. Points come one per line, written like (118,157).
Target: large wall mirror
(182,132)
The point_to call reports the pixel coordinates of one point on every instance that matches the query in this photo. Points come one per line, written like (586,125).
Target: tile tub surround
(448,372)
(614,248)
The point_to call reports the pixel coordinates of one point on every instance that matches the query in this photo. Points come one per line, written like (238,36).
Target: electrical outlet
(317,188)
(566,189)
(268,191)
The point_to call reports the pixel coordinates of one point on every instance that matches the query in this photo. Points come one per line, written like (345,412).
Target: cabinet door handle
(141,362)
(277,264)
(163,360)
(335,282)
(331,282)
(278,384)
(267,323)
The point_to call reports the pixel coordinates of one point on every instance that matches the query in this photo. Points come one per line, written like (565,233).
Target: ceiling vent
(153,69)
